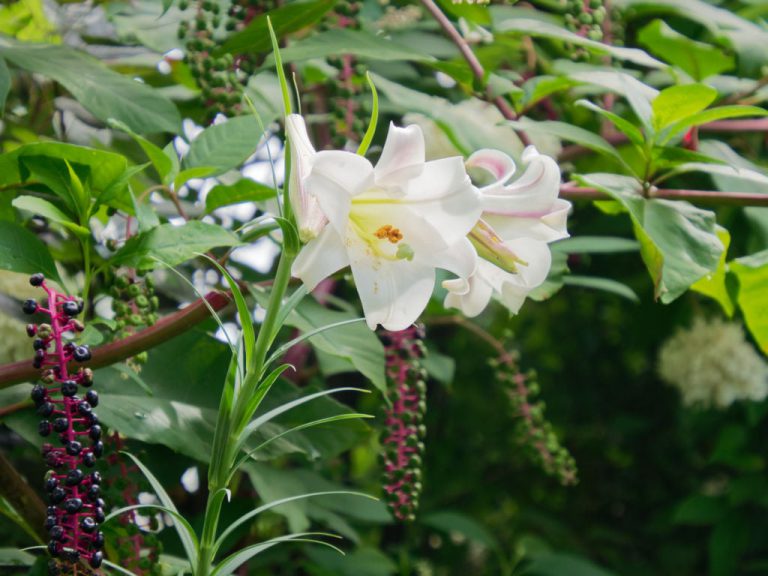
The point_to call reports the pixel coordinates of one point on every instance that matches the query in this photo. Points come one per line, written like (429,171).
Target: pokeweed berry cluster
(135,306)
(532,430)
(76,508)
(403,442)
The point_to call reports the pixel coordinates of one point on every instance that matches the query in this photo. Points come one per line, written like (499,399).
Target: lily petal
(393,293)
(320,258)
(533,193)
(547,226)
(402,156)
(309,216)
(472,301)
(495,162)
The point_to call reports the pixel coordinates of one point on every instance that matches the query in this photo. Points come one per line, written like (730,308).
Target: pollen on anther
(390,233)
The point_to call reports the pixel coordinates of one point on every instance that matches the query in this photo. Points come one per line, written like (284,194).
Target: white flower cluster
(713,365)
(399,221)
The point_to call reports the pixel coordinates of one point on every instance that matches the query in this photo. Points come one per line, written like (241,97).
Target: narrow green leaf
(270,505)
(595,245)
(369,133)
(711,115)
(185,531)
(234,561)
(604,284)
(291,243)
(279,69)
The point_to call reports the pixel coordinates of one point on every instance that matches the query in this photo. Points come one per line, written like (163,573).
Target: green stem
(86,245)
(229,424)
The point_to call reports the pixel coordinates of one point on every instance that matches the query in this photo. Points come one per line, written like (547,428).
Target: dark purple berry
(83,408)
(96,559)
(98,541)
(37,279)
(69,388)
(93,492)
(53,568)
(73,505)
(51,484)
(57,532)
(98,448)
(29,306)
(73,448)
(98,515)
(46,409)
(54,548)
(50,520)
(88,524)
(92,397)
(37,362)
(92,419)
(60,425)
(74,477)
(81,353)
(89,459)
(71,555)
(51,511)
(31,330)
(58,495)
(95,478)
(100,503)
(95,432)
(38,344)
(70,308)
(38,394)
(44,428)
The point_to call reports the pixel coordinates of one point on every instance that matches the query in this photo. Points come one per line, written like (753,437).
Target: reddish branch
(163,330)
(474,64)
(573,192)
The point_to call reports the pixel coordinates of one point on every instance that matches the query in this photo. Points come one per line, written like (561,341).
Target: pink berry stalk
(402,443)
(76,508)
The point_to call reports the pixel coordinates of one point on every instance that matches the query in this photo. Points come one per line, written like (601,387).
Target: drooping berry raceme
(66,401)
(403,444)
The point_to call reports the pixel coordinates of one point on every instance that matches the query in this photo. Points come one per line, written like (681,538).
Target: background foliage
(646,103)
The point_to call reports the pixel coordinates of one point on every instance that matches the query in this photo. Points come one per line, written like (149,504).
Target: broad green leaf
(163,164)
(470,125)
(244,190)
(118,194)
(539,87)
(274,484)
(224,146)
(22,251)
(5,84)
(595,245)
(364,560)
(752,275)
(604,284)
(353,342)
(15,557)
(185,531)
(172,244)
(48,210)
(571,133)
(450,522)
(104,93)
(678,241)
(711,115)
(677,103)
(360,43)
(700,510)
(55,175)
(540,29)
(288,18)
(627,128)
(731,172)
(714,284)
(560,564)
(274,504)
(186,175)
(697,59)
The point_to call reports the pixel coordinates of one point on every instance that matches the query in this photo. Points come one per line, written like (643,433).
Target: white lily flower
(309,217)
(521,217)
(394,224)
